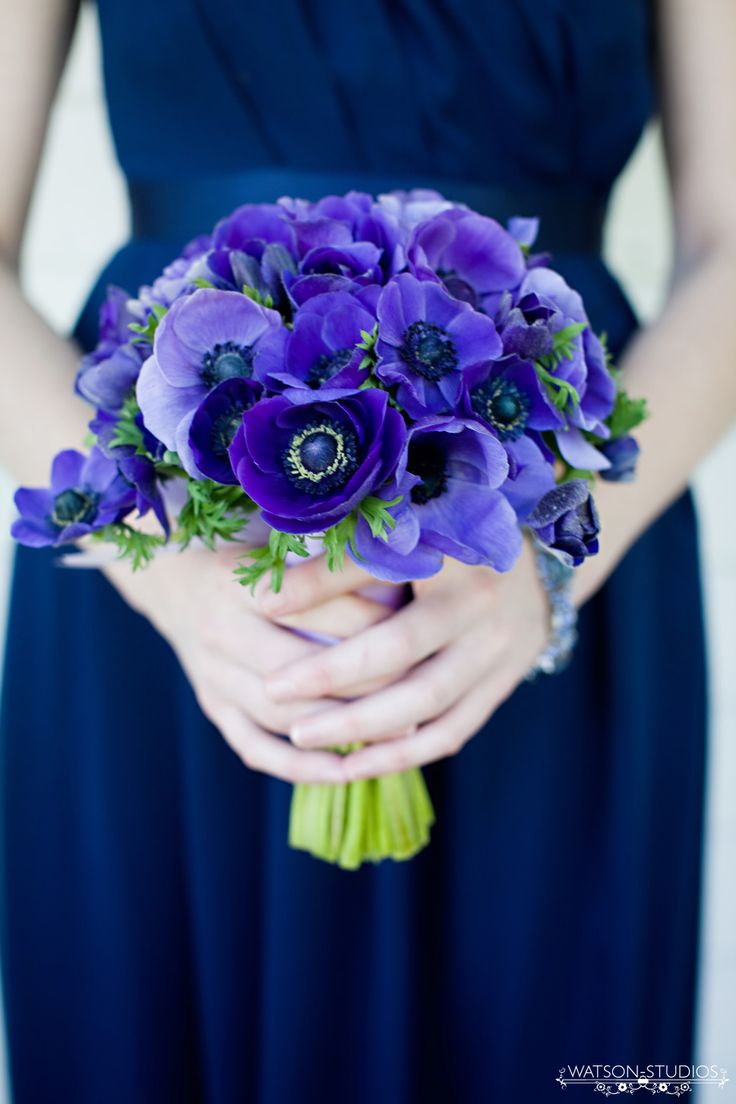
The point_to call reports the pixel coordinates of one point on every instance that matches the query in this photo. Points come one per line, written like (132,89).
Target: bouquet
(394,379)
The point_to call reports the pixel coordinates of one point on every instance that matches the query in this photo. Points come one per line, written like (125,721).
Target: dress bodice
(549,93)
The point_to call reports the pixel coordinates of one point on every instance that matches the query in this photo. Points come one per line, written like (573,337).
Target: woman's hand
(458,650)
(227,648)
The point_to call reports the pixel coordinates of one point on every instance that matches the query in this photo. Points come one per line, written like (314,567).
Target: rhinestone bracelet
(556,578)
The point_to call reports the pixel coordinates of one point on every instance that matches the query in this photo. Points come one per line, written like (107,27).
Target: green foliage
(271,558)
(127,431)
(560,391)
(257,297)
(336,540)
(201,282)
(146,333)
(212,512)
(376,513)
(132,545)
(368,344)
(626,415)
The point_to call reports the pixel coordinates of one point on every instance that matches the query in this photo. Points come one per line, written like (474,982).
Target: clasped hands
(412,686)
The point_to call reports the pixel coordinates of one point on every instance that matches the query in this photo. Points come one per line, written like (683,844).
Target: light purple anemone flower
(427,341)
(449,479)
(86,493)
(473,256)
(204,339)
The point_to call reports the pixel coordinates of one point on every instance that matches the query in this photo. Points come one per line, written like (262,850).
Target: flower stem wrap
(365,821)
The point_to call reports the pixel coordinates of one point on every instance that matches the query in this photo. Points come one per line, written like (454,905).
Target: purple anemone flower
(107,375)
(367,221)
(505,395)
(322,349)
(622,454)
(86,493)
(307,459)
(473,256)
(409,209)
(427,341)
(253,227)
(566,521)
(449,477)
(206,338)
(545,298)
(216,422)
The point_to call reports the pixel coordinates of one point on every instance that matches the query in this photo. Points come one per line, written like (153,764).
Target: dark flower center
(500,403)
(428,350)
(73,506)
(223,430)
(227,361)
(321,457)
(427,461)
(328,366)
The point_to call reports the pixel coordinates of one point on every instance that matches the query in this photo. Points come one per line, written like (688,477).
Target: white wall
(78,217)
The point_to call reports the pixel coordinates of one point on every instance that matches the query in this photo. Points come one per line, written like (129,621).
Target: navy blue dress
(160,941)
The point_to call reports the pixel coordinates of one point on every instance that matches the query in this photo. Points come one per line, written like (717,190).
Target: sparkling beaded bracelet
(556,578)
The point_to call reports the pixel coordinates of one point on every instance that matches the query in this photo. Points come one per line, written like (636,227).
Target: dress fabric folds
(161,944)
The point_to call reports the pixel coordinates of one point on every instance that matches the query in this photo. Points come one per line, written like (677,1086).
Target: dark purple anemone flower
(138,469)
(307,459)
(322,349)
(204,339)
(86,493)
(566,521)
(505,395)
(473,256)
(450,478)
(622,454)
(108,374)
(427,341)
(215,423)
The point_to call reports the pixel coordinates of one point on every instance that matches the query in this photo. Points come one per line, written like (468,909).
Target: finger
(442,737)
(275,756)
(428,691)
(245,690)
(412,634)
(309,584)
(245,638)
(338,617)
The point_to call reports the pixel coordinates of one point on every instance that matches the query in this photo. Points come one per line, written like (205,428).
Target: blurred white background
(79,216)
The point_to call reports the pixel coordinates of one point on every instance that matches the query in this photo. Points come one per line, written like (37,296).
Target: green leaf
(336,540)
(577,473)
(376,513)
(626,415)
(127,431)
(563,342)
(212,512)
(257,297)
(271,558)
(132,545)
(146,333)
(561,392)
(201,282)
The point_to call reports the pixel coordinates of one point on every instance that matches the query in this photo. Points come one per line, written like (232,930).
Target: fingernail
(306,735)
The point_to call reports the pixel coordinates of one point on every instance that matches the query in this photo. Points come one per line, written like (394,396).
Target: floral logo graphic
(659,1080)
